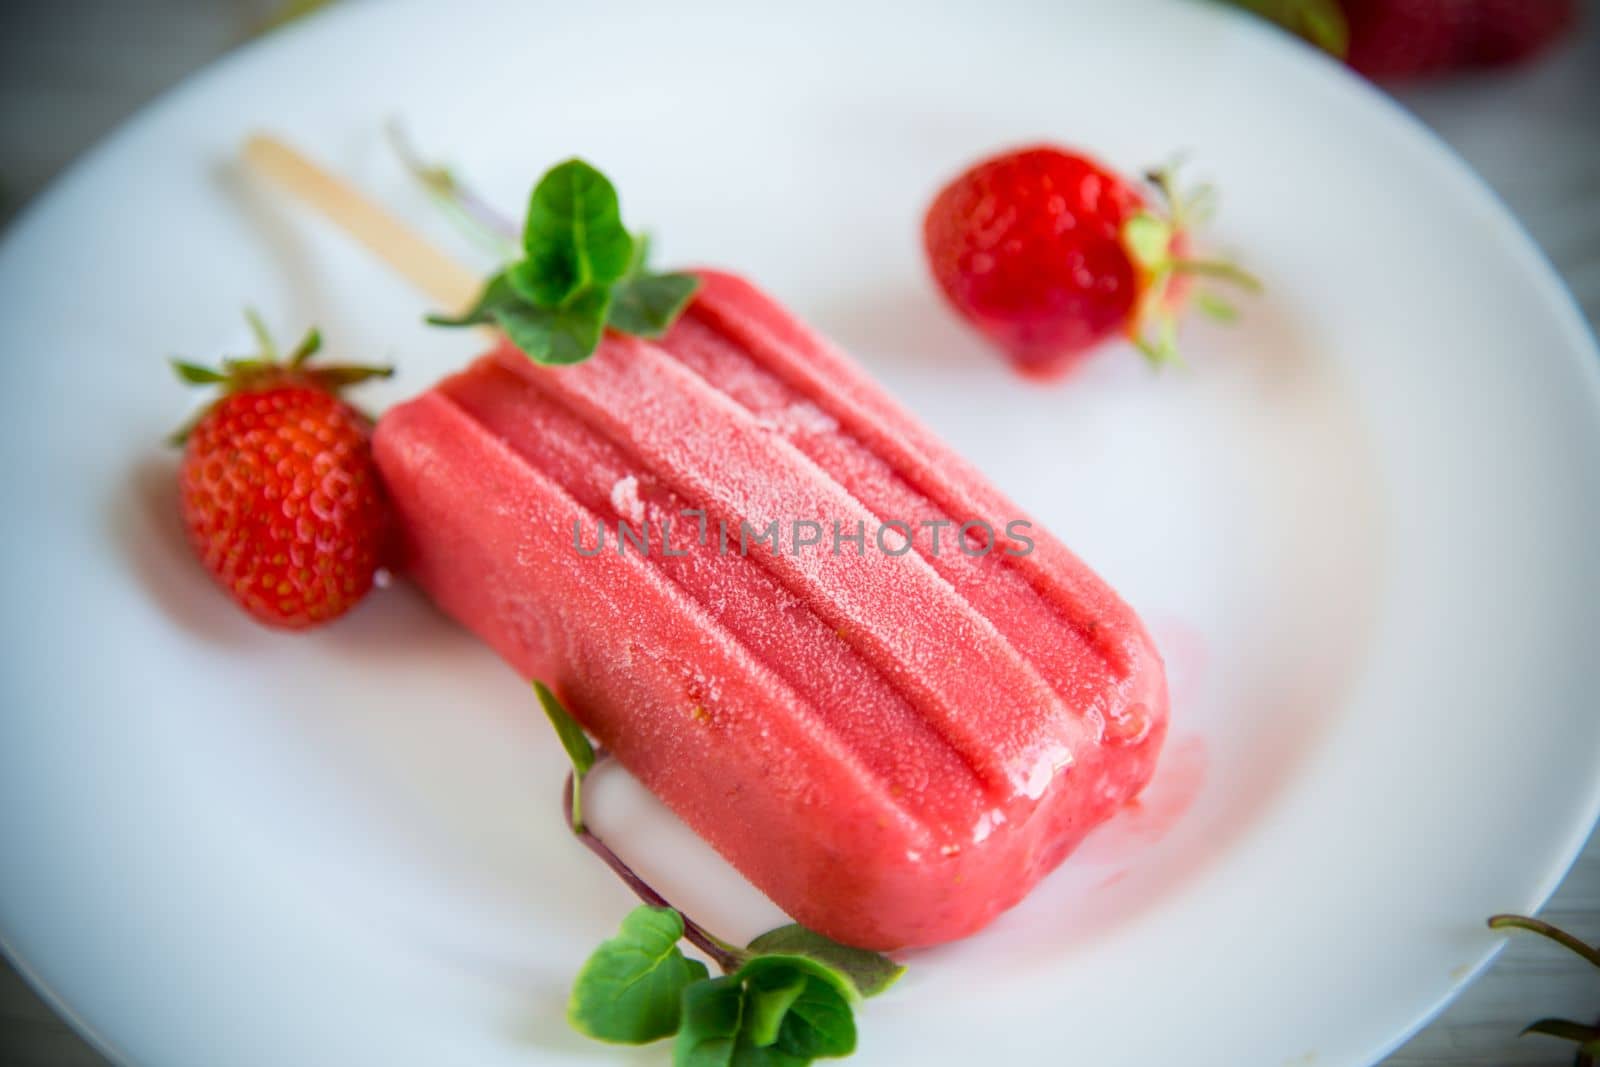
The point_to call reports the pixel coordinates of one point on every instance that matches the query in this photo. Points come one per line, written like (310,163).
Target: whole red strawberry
(1049,253)
(278,488)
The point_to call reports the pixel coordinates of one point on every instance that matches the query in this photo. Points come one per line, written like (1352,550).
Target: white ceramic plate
(1362,528)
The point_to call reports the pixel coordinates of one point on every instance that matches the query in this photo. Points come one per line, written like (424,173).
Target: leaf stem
(1544,929)
(473,212)
(726,956)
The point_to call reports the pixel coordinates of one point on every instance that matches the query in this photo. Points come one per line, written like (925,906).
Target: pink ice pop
(896,742)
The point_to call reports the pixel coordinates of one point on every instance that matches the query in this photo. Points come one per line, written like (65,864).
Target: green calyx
(581,273)
(268,367)
(1157,243)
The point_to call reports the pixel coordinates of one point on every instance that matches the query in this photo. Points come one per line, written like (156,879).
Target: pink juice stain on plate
(1181,771)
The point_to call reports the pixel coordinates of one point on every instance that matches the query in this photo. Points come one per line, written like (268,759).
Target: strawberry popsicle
(894,710)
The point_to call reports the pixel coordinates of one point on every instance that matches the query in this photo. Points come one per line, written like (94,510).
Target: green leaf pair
(582,272)
(780,1008)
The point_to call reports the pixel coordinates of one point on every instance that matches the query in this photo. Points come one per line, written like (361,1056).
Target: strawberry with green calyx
(581,273)
(1049,253)
(279,493)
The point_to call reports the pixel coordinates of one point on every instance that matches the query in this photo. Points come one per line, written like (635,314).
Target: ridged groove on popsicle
(892,739)
(681,427)
(829,379)
(1029,618)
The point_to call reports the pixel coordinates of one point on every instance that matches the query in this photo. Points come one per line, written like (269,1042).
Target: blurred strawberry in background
(1393,40)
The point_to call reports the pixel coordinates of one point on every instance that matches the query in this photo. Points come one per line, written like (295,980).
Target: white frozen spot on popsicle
(625,499)
(805,417)
(985,825)
(799,419)
(1044,770)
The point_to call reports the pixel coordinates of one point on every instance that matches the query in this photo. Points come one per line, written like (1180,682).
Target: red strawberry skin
(1507,32)
(282,502)
(1028,247)
(1392,40)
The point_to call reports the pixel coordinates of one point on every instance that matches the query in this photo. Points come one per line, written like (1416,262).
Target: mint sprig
(786,999)
(1586,1036)
(581,272)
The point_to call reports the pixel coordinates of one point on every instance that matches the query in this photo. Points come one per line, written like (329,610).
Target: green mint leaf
(529,328)
(573,739)
(629,991)
(768,1002)
(819,1020)
(820,1023)
(497,293)
(195,374)
(641,254)
(870,972)
(746,1054)
(574,236)
(646,305)
(708,1034)
(559,336)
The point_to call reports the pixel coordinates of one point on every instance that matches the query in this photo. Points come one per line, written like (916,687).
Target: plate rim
(1553,291)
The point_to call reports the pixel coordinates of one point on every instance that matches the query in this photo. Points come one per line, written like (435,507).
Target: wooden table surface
(70,70)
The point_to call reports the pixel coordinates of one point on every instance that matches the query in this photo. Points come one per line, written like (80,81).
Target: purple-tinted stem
(725,955)
(488,216)
(445,183)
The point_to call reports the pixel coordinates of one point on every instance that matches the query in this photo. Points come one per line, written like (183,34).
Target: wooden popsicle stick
(449,283)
